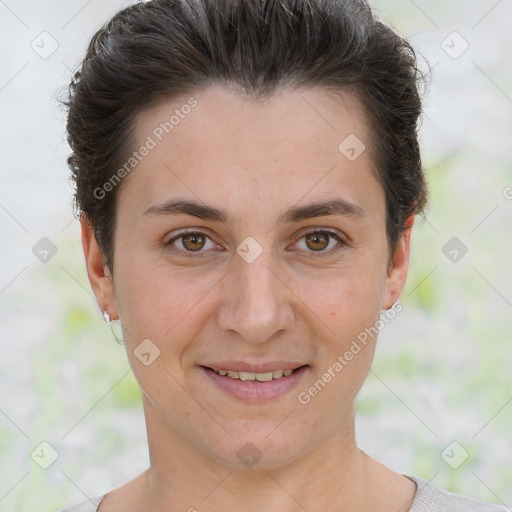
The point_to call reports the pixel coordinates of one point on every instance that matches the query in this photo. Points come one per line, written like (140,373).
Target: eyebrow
(337,206)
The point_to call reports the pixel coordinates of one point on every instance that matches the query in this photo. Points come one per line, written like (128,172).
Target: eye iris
(317,238)
(191,242)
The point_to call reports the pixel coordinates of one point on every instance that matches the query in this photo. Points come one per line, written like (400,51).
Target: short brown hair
(155,51)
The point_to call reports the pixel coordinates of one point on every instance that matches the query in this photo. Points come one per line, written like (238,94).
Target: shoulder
(430,497)
(91,505)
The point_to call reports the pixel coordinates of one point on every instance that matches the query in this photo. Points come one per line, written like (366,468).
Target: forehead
(280,149)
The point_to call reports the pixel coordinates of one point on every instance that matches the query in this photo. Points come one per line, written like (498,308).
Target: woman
(247,175)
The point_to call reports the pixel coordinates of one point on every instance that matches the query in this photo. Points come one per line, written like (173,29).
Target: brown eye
(321,242)
(317,241)
(193,241)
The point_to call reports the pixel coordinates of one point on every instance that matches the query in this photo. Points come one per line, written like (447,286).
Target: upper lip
(244,366)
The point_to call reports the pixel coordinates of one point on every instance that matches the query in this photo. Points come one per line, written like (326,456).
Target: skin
(254,160)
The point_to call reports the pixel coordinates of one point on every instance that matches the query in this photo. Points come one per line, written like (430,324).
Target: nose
(256,300)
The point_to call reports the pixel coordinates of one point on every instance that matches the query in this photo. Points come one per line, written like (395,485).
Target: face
(224,260)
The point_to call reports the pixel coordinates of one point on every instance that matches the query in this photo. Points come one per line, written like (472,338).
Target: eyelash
(317,254)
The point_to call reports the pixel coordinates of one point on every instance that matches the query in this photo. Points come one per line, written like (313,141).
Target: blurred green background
(442,372)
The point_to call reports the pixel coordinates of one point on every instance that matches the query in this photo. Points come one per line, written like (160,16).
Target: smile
(256,387)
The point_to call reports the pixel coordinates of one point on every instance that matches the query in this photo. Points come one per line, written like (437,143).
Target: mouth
(256,387)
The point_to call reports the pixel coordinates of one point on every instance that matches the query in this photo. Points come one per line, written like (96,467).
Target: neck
(334,475)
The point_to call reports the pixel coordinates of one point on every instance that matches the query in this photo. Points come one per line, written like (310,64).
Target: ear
(397,273)
(99,274)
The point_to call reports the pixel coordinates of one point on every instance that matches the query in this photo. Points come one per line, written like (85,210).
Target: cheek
(157,302)
(346,300)
(349,308)
(160,305)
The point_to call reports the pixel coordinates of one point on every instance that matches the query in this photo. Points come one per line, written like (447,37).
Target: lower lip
(256,392)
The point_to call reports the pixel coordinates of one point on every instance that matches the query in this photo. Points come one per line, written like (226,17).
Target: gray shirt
(428,498)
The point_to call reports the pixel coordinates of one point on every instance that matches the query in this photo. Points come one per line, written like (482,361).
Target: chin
(257,447)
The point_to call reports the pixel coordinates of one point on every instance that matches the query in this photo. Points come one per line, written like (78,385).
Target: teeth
(260,377)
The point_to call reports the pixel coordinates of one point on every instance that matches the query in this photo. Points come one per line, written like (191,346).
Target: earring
(106,316)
